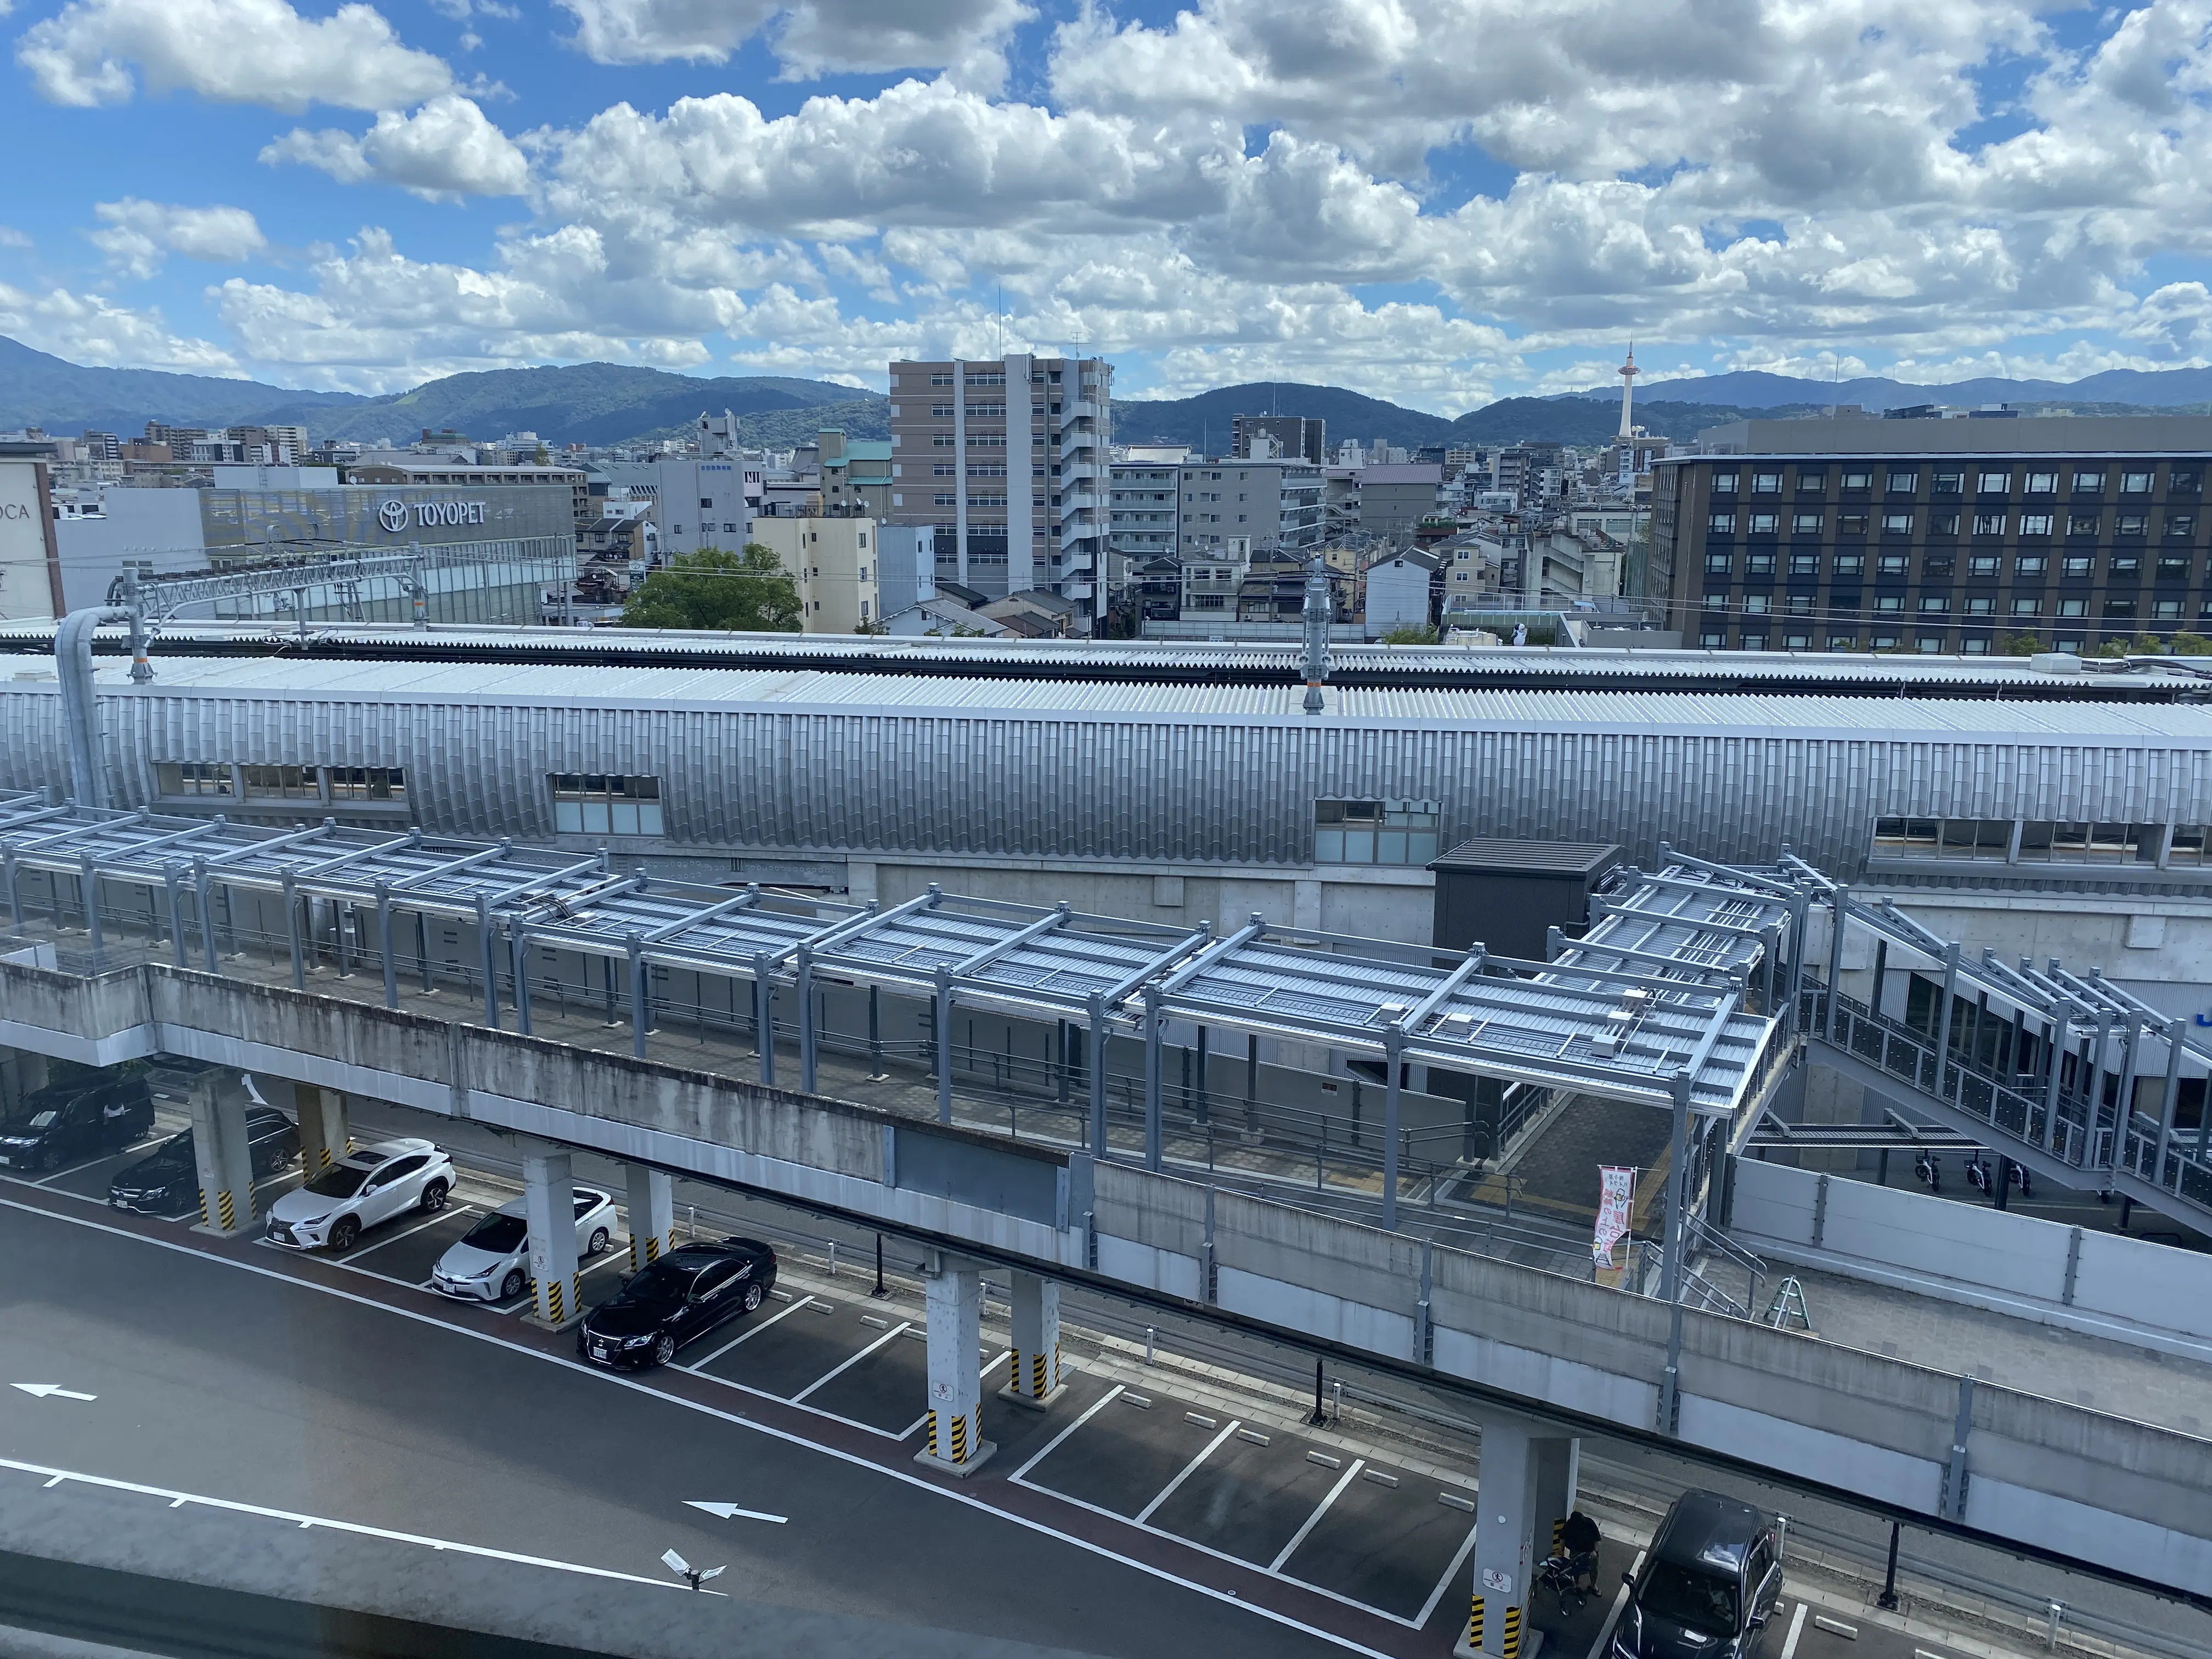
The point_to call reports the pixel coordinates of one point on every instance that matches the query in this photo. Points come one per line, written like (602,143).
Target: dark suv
(167,1180)
(82,1118)
(1709,1583)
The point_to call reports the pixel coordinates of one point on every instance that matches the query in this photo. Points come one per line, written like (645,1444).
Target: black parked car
(1709,1583)
(685,1294)
(167,1180)
(82,1118)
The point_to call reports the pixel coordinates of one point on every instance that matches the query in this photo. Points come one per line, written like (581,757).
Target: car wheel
(345,1233)
(664,1348)
(598,1243)
(513,1284)
(433,1197)
(752,1297)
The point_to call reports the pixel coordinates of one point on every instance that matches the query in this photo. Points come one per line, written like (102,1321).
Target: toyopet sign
(397,515)
(26,587)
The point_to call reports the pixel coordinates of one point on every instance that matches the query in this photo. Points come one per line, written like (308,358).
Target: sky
(1437,202)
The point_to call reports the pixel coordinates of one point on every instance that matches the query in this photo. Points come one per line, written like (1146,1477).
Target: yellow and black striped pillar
(1512,1646)
(1474,1624)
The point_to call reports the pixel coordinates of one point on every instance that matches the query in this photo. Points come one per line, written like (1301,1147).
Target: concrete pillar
(223,1154)
(547,1188)
(1526,1472)
(323,1134)
(652,1214)
(954,1443)
(21,1073)
(1033,1369)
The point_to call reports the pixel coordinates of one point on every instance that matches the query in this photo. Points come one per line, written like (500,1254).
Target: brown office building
(1939,535)
(1008,460)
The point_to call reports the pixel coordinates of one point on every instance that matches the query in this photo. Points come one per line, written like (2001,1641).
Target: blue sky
(1439,202)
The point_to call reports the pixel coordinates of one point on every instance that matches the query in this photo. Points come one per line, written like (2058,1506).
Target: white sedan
(491,1263)
(360,1190)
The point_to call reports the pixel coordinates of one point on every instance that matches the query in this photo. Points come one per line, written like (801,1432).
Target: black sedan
(685,1294)
(167,1180)
(82,1118)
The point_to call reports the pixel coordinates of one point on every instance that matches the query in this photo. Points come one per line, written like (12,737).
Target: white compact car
(360,1190)
(492,1261)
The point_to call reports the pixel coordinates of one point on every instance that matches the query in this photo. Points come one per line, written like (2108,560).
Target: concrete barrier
(2155,1295)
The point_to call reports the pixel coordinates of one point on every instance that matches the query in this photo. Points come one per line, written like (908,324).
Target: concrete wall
(2121,1494)
(2120,1286)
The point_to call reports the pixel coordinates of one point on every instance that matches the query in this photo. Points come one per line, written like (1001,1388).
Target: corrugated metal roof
(1628,712)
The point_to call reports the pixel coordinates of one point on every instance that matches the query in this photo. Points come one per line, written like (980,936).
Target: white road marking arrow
(44,1390)
(727,1511)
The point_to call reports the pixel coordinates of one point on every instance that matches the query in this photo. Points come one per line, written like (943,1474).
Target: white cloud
(12,238)
(87,329)
(137,236)
(251,51)
(815,37)
(444,150)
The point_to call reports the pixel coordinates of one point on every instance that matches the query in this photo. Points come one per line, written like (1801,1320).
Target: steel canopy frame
(1658,1001)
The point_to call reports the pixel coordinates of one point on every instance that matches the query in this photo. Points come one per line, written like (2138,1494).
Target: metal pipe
(491,963)
(1095,1063)
(2175,1029)
(1393,1048)
(806,1052)
(292,931)
(1841,910)
(944,1044)
(876,1072)
(764,1017)
(1943,1019)
(1153,1133)
(383,945)
(638,1016)
(520,954)
(89,885)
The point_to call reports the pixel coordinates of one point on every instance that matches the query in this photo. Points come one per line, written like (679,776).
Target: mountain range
(602,403)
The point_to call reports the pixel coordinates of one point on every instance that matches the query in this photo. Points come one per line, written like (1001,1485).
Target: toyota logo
(393,516)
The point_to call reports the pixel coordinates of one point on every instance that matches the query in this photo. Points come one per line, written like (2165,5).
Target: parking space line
(990,1365)
(450,1209)
(1797,1622)
(812,1410)
(1185,1473)
(1052,1444)
(700,1365)
(1621,1605)
(1320,1510)
(608,1259)
(1458,1565)
(1166,1574)
(840,1370)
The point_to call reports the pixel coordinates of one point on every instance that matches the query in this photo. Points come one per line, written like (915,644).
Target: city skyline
(1439,203)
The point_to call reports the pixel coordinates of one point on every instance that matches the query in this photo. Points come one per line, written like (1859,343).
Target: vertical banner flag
(1616,1189)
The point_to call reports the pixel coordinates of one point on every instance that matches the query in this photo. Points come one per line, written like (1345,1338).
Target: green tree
(747,592)
(1408,634)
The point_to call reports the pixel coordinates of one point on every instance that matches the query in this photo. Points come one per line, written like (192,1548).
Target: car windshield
(339,1181)
(1683,1596)
(177,1149)
(42,1120)
(664,1281)
(497,1233)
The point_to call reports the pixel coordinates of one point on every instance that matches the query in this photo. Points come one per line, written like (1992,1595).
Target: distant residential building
(1400,593)
(838,564)
(856,474)
(1274,506)
(1388,502)
(1281,437)
(1008,461)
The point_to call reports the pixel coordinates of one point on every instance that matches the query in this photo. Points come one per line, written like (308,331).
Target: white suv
(360,1190)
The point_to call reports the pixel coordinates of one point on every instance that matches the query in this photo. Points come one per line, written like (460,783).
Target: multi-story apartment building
(851,573)
(856,476)
(1935,535)
(1275,505)
(1289,437)
(1008,461)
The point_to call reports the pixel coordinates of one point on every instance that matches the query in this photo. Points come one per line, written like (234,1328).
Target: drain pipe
(80,707)
(1316,614)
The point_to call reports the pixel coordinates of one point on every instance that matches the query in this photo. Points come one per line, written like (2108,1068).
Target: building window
(1850,524)
(2180,526)
(1880,641)
(282,782)
(2135,483)
(1724,483)
(368,783)
(1981,605)
(1712,641)
(1759,564)
(603,804)
(1988,524)
(2088,484)
(1992,483)
(2167,610)
(1935,604)
(1904,483)
(2033,524)
(1855,479)
(2062,842)
(1982,564)
(1801,604)
(2081,524)
(1806,524)
(2180,483)
(2077,564)
(2172,569)
(2129,524)
(1399,832)
(1896,523)
(1804,564)
(2124,564)
(1811,480)
(2043,484)
(1764,524)
(1942,524)
(1757,604)
(1989,839)
(1932,644)
(2119,609)
(1767,483)
(192,778)
(1715,602)
(2031,564)
(1843,641)
(1796,642)
(1850,564)
(1889,603)
(1893,564)
(1755,641)
(1950,483)
(1939,565)
(2027,607)
(1721,524)
(2068,608)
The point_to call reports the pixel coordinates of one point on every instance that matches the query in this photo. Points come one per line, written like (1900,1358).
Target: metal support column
(203,890)
(1204,1108)
(1393,1047)
(488,961)
(1060,1047)
(2054,1055)
(1840,919)
(1095,1065)
(422,950)
(1678,1205)
(1153,1135)
(640,1014)
(764,1017)
(1252,1086)
(807,1056)
(944,1001)
(292,931)
(88,888)
(383,945)
(1943,1017)
(876,1072)
(519,943)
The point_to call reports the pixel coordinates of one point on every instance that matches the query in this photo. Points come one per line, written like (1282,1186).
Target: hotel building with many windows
(1956,535)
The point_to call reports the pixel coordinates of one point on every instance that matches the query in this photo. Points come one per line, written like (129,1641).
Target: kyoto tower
(1628,371)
